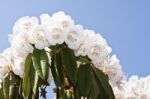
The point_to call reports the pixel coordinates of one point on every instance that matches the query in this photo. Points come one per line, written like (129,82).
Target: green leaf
(76,93)
(35,86)
(14,86)
(60,72)
(70,65)
(59,67)
(44,65)
(41,64)
(1,92)
(27,64)
(95,91)
(6,84)
(111,95)
(32,74)
(21,89)
(26,78)
(84,79)
(54,71)
(103,82)
(27,87)
(65,96)
(12,92)
(36,62)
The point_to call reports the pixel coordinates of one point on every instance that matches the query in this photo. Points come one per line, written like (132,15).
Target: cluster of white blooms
(29,33)
(134,88)
(113,69)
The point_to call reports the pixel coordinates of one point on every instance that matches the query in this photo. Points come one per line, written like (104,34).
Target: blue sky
(124,23)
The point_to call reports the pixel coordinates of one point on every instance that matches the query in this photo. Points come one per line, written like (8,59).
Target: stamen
(40,35)
(72,36)
(56,33)
(95,50)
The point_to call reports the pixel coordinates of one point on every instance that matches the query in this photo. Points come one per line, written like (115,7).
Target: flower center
(72,36)
(95,50)
(56,33)
(82,48)
(40,35)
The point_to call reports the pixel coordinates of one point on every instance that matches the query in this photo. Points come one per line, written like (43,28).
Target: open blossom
(7,53)
(134,88)
(97,53)
(20,46)
(65,21)
(46,20)
(99,39)
(55,34)
(99,50)
(84,47)
(114,71)
(25,25)
(38,37)
(10,63)
(3,66)
(74,37)
(119,93)
(6,61)
(18,66)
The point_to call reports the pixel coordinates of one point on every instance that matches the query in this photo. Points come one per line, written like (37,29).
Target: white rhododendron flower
(74,37)
(38,37)
(7,53)
(3,66)
(6,62)
(99,39)
(134,88)
(119,93)
(84,47)
(63,20)
(18,67)
(55,34)
(97,53)
(10,63)
(20,46)
(114,71)
(99,49)
(25,25)
(46,20)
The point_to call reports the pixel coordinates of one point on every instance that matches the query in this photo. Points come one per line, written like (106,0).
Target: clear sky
(124,23)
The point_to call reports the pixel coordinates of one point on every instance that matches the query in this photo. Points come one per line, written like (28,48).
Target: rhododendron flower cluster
(30,33)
